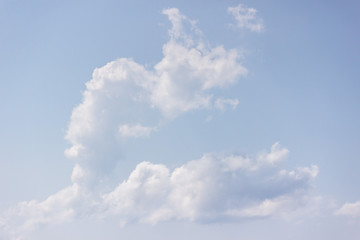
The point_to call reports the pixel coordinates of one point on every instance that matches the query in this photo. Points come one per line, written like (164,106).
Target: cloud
(135,131)
(124,98)
(212,188)
(180,23)
(349,209)
(190,70)
(277,154)
(268,207)
(246,18)
(216,187)
(27,216)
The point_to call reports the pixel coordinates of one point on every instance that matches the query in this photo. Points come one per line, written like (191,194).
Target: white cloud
(246,18)
(209,189)
(221,103)
(189,70)
(187,75)
(349,209)
(212,188)
(135,131)
(119,96)
(27,216)
(265,208)
(215,187)
(124,91)
(178,30)
(277,153)
(73,151)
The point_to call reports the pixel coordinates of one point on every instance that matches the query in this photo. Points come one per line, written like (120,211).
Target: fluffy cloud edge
(349,209)
(246,18)
(154,193)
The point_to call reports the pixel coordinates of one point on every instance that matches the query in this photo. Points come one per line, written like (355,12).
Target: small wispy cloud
(222,103)
(246,18)
(212,188)
(349,209)
(216,187)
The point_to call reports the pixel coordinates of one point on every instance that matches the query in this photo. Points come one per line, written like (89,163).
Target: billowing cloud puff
(246,18)
(212,188)
(123,92)
(215,187)
(135,131)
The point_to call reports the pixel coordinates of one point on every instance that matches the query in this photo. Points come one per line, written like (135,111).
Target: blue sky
(177,119)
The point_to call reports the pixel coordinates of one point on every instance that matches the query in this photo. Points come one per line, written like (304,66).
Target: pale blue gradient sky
(302,89)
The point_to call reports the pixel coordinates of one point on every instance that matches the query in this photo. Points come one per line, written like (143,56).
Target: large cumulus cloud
(125,100)
(213,188)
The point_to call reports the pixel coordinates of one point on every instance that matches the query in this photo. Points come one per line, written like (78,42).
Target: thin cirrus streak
(215,187)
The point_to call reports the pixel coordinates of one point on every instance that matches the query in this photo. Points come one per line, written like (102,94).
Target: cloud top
(212,188)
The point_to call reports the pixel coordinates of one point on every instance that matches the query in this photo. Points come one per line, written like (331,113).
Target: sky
(179,119)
